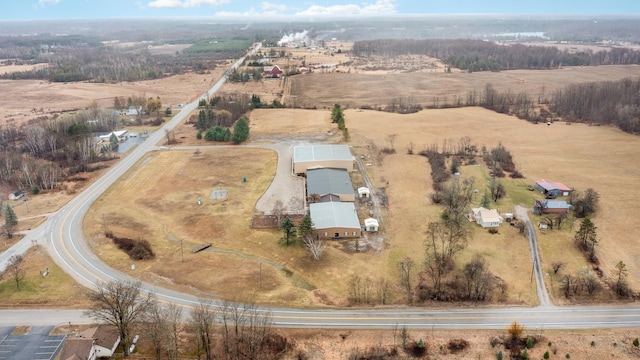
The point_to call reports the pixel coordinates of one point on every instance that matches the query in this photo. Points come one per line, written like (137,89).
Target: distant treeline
(479,55)
(602,103)
(614,103)
(76,61)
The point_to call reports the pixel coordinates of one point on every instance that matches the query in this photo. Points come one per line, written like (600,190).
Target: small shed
(364,192)
(371,225)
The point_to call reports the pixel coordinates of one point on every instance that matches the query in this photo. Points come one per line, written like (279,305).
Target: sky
(104,9)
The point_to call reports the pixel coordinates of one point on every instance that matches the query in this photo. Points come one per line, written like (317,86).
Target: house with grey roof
(327,181)
(321,156)
(335,220)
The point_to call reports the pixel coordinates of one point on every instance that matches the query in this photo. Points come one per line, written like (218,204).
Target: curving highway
(62,235)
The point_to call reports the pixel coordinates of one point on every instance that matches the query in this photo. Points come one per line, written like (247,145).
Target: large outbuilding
(551,207)
(321,156)
(330,181)
(335,220)
(552,189)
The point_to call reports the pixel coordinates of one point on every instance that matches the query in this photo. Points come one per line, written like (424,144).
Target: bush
(529,343)
(35,190)
(636,343)
(493,231)
(546,355)
(499,355)
(568,356)
(136,249)
(418,348)
(457,345)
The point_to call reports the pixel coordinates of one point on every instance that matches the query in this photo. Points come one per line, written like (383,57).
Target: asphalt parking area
(35,345)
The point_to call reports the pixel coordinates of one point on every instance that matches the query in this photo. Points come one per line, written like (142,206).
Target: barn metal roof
(328,181)
(321,152)
(550,185)
(334,215)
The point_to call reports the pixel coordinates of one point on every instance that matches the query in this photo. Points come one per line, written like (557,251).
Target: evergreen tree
(288,228)
(306,227)
(10,221)
(240,130)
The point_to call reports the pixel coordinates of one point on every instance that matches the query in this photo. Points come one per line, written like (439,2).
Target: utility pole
(181,251)
(261,275)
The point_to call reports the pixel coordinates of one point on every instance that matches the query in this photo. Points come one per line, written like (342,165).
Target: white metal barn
(321,156)
(335,220)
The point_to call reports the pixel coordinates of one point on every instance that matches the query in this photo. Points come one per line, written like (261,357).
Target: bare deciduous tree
(315,246)
(162,325)
(556,266)
(444,241)
(203,320)
(15,269)
(278,210)
(405,266)
(119,303)
(478,278)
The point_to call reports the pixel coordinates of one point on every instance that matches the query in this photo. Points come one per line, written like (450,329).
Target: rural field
(26,99)
(168,183)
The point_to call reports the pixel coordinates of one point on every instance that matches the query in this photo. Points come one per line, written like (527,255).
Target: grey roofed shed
(319,156)
(335,217)
(330,181)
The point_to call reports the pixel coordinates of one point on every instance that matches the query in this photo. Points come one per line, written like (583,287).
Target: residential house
(551,189)
(486,218)
(93,343)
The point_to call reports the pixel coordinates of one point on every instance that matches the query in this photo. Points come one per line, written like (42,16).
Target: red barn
(272,71)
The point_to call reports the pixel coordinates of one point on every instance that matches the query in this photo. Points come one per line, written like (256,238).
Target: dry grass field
(328,344)
(37,291)
(354,90)
(26,99)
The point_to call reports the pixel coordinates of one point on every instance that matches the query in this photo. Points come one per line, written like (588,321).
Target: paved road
(65,242)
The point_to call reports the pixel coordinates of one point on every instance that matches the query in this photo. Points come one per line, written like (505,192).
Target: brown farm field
(26,99)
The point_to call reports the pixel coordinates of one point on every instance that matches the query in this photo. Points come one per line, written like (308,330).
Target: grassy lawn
(57,289)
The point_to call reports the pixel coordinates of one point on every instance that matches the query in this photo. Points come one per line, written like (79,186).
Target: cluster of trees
(602,103)
(226,330)
(217,115)
(245,74)
(256,103)
(441,280)
(479,55)
(40,153)
(367,291)
(304,230)
(337,117)
(499,160)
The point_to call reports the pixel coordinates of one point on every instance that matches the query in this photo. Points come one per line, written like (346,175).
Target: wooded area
(479,55)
